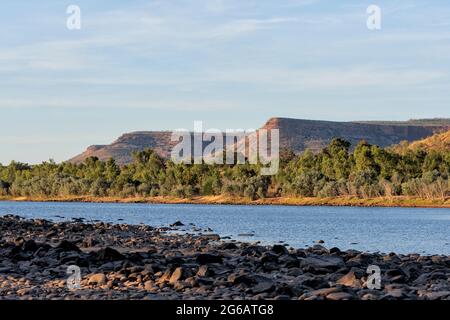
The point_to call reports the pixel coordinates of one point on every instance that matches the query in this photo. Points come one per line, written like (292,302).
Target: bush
(330,189)
(250,192)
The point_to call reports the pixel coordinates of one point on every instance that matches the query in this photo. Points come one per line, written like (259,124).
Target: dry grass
(400,201)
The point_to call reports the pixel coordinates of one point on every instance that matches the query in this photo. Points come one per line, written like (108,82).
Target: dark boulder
(205,258)
(279,249)
(177,224)
(109,254)
(68,246)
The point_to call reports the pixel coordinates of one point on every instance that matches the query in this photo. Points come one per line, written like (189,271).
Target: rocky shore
(141,262)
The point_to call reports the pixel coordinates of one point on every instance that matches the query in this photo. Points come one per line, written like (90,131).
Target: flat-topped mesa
(300,134)
(295,134)
(121,149)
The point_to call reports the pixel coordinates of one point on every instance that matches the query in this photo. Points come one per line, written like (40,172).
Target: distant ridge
(295,134)
(420,122)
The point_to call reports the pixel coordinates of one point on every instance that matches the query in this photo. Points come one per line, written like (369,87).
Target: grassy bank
(400,201)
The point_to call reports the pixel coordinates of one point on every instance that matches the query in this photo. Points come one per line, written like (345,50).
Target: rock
(177,224)
(68,246)
(109,254)
(264,286)
(369,296)
(228,246)
(180,285)
(19,241)
(279,249)
(326,262)
(5,270)
(282,297)
(437,295)
(269,257)
(149,285)
(176,275)
(89,242)
(164,277)
(339,296)
(30,245)
(23,292)
(350,280)
(289,261)
(395,292)
(295,272)
(320,242)
(236,279)
(335,250)
(323,292)
(211,237)
(205,258)
(203,271)
(98,279)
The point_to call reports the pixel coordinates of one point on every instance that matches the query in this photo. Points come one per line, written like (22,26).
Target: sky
(140,65)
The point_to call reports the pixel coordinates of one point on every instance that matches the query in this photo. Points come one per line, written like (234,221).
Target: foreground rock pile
(141,262)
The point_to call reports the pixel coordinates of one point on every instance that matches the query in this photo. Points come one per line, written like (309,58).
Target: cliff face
(295,134)
(121,149)
(299,135)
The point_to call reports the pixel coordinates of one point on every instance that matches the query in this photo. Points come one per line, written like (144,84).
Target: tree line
(367,171)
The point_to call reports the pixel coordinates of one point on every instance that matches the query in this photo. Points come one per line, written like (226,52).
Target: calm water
(402,230)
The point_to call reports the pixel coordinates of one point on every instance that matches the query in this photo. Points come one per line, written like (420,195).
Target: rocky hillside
(299,135)
(121,149)
(439,141)
(295,134)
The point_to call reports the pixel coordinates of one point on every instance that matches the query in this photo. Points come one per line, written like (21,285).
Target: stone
(282,297)
(30,245)
(289,261)
(339,296)
(437,295)
(323,292)
(68,246)
(206,258)
(176,275)
(350,280)
(149,285)
(228,246)
(295,272)
(109,254)
(334,250)
(177,224)
(236,279)
(203,271)
(326,262)
(369,296)
(279,249)
(164,277)
(263,287)
(98,279)
(395,292)
(269,257)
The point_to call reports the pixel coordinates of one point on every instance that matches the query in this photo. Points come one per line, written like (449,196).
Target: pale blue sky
(151,65)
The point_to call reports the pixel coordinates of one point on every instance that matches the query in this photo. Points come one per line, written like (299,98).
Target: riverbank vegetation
(336,172)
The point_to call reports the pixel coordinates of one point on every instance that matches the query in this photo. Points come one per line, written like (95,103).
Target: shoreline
(398,201)
(122,261)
